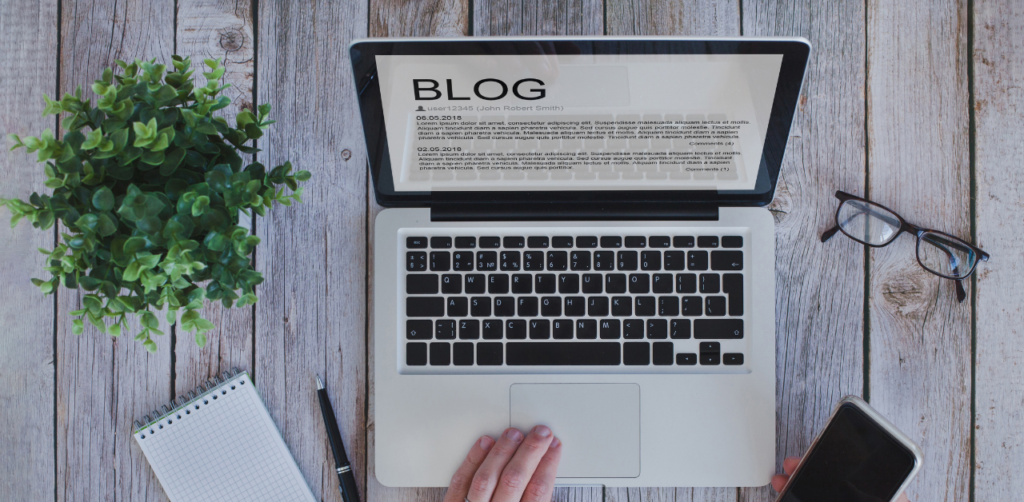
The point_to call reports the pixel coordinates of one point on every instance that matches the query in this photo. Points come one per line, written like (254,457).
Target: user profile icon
(420,108)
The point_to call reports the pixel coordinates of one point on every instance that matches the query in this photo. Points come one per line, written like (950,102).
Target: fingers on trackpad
(599,424)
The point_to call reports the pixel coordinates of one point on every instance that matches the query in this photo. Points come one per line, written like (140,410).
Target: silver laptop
(576,236)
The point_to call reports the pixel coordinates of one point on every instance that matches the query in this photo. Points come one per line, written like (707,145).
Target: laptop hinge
(554,211)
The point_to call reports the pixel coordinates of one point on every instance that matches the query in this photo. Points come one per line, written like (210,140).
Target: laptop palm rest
(598,424)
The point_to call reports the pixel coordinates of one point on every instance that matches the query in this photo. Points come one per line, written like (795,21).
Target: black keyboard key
(493,329)
(661,283)
(679,329)
(627,260)
(657,329)
(636,353)
(416,354)
(718,329)
(615,283)
(563,354)
(675,260)
(421,284)
(710,283)
(663,353)
(509,260)
(586,329)
(528,306)
(575,306)
(586,242)
(533,260)
(458,306)
(444,329)
(597,306)
(476,283)
(440,354)
(558,260)
(697,260)
(611,242)
(441,242)
(424,306)
(579,260)
(732,359)
(465,242)
(469,329)
(490,242)
(727,260)
(604,260)
(462,261)
(714,306)
(550,306)
(710,353)
(486,260)
(707,241)
(415,242)
(497,284)
(515,329)
(540,329)
(659,241)
(545,283)
(522,283)
(668,306)
(693,306)
(451,284)
(592,283)
(639,283)
(732,241)
(732,285)
(537,242)
(416,261)
(561,242)
(683,241)
(686,283)
(419,329)
(480,306)
(568,283)
(650,260)
(610,329)
(636,242)
(489,354)
(645,306)
(686,359)
(561,329)
(622,306)
(462,354)
(440,261)
(514,242)
(633,329)
(504,306)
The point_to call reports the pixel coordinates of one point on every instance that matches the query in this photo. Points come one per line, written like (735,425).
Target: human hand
(512,469)
(789,465)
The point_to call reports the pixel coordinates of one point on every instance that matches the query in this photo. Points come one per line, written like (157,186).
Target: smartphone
(858,457)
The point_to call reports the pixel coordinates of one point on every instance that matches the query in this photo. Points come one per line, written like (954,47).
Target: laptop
(575,235)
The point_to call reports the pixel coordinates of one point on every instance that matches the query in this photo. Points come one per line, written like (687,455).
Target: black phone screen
(855,460)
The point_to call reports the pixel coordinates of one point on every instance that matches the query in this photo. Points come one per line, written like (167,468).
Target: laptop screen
(572,116)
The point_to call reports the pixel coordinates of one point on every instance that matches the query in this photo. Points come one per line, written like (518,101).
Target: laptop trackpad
(599,425)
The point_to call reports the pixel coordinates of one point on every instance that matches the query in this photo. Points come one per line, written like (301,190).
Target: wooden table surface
(917,104)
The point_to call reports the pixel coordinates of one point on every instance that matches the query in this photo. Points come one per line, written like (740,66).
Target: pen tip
(319,383)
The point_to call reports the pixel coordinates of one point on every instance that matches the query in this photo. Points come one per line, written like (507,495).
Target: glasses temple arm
(829,233)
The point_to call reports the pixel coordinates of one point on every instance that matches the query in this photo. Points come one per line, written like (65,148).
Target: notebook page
(223,446)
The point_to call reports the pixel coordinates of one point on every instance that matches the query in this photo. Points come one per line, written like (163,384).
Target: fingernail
(555,443)
(542,431)
(513,435)
(486,443)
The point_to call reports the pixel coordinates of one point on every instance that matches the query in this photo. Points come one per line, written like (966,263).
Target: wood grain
(26,343)
(819,290)
(999,366)
(920,337)
(218,29)
(104,384)
(311,317)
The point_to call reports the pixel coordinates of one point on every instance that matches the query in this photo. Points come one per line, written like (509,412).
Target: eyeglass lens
(945,256)
(867,222)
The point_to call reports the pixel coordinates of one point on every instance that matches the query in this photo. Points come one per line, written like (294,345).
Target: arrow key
(727,260)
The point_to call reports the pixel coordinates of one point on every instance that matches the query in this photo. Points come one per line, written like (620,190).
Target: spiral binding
(183,401)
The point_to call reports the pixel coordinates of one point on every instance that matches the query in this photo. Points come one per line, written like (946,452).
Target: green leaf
(134,245)
(171,161)
(149,320)
(150,345)
(200,339)
(77,326)
(103,199)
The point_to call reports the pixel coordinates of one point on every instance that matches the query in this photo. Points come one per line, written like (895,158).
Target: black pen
(347,480)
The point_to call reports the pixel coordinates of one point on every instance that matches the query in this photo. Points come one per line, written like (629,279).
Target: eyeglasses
(875,225)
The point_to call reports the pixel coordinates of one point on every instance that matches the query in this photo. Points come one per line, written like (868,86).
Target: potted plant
(148,186)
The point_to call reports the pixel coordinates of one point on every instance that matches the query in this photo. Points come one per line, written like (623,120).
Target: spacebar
(562,353)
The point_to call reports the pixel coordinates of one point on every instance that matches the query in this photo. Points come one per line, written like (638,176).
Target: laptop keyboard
(627,302)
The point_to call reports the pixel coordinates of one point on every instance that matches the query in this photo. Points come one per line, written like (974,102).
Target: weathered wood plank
(26,343)
(218,29)
(999,146)
(311,317)
(918,164)
(104,384)
(819,290)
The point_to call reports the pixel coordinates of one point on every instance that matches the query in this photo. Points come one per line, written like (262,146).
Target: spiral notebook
(218,443)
